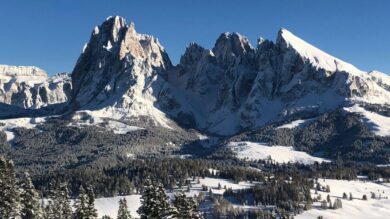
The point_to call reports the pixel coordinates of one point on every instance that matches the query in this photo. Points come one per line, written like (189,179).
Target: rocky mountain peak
(223,90)
(30,87)
(119,69)
(192,55)
(18,72)
(230,45)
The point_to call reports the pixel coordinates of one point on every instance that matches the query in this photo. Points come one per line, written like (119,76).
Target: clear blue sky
(51,33)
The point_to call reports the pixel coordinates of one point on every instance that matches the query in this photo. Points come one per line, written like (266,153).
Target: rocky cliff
(30,87)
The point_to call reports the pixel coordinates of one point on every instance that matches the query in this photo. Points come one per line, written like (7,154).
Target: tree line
(20,200)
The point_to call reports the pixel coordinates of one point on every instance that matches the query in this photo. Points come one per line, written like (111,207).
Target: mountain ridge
(231,87)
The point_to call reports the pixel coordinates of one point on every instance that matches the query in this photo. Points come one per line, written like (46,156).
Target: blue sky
(51,33)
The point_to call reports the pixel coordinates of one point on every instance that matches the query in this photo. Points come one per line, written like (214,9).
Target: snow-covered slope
(280,154)
(7,125)
(110,206)
(357,208)
(378,124)
(315,56)
(295,124)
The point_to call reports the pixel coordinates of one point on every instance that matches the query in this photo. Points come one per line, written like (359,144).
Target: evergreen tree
(123,212)
(91,210)
(62,203)
(67,211)
(337,204)
(364,197)
(48,211)
(31,207)
(154,202)
(81,205)
(10,206)
(58,206)
(187,207)
(324,204)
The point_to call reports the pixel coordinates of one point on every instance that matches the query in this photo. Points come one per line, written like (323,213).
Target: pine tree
(337,204)
(10,206)
(328,198)
(62,203)
(123,212)
(154,202)
(187,207)
(49,210)
(31,207)
(58,206)
(91,210)
(81,205)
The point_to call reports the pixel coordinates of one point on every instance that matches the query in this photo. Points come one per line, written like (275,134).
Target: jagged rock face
(121,70)
(226,89)
(113,60)
(30,87)
(272,82)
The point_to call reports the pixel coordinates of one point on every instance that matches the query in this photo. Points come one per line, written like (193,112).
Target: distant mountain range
(286,92)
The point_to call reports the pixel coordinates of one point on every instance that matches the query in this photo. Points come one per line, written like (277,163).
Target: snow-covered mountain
(120,73)
(232,87)
(30,87)
(285,92)
(236,86)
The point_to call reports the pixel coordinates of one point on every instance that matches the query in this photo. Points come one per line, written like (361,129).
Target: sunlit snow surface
(281,154)
(109,206)
(378,124)
(316,56)
(295,124)
(90,118)
(357,208)
(7,125)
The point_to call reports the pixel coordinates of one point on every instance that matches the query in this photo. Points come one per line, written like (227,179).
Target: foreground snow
(110,206)
(281,154)
(356,208)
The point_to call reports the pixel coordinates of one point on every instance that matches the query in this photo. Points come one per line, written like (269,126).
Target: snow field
(356,208)
(281,154)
